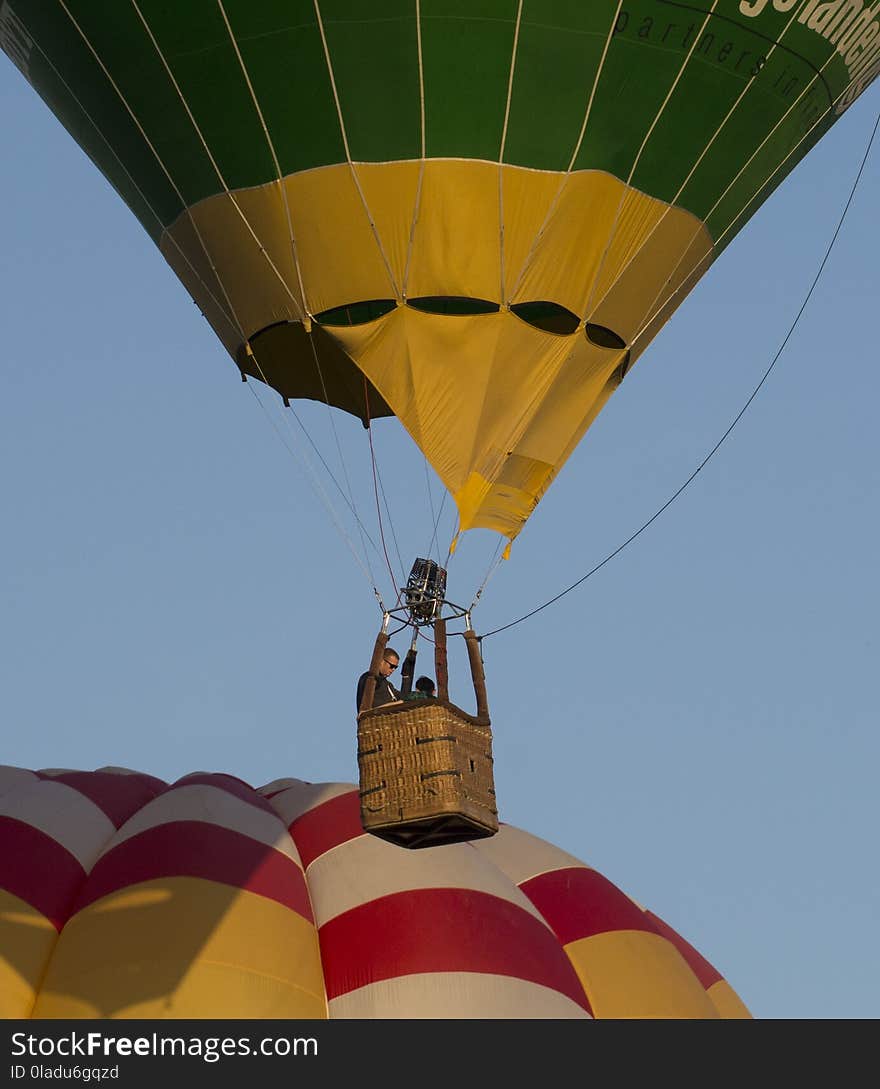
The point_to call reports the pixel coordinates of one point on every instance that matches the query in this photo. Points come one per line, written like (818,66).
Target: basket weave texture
(425,759)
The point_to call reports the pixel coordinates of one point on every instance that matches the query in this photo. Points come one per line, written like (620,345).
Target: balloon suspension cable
(433,545)
(309,471)
(731,426)
(308,326)
(494,564)
(376,486)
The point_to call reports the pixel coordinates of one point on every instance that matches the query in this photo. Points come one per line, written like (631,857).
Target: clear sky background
(698,720)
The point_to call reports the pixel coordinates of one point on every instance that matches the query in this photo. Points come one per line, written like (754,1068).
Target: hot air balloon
(474,220)
(123,896)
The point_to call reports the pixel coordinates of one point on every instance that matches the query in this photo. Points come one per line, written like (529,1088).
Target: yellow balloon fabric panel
(495,403)
(184,948)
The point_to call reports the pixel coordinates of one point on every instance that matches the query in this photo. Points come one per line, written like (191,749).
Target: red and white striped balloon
(124,896)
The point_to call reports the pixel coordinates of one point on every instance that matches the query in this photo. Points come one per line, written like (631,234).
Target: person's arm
(407,672)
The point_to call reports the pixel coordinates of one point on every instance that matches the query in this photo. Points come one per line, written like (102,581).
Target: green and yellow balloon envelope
(472,214)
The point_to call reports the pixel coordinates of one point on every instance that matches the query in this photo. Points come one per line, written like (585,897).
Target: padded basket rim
(403,706)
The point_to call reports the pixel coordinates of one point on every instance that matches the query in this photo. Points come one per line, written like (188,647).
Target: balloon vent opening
(604,338)
(453,304)
(356,313)
(549,317)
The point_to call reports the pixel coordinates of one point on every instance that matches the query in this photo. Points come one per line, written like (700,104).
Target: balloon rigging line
(329,472)
(349,499)
(262,249)
(283,191)
(377,477)
(354,173)
(421,77)
(646,324)
(736,419)
(390,522)
(232,316)
(640,249)
(376,492)
(793,151)
(658,307)
(433,544)
(596,277)
(494,564)
(551,211)
(317,487)
(332,421)
(379,519)
(648,321)
(418,201)
(502,147)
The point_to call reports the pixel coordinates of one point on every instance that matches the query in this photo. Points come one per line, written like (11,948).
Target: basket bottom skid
(431,831)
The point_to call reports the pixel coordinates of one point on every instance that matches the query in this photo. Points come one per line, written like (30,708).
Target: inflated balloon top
(472,215)
(125,896)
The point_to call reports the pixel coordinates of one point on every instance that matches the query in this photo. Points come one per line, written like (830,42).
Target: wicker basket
(426,774)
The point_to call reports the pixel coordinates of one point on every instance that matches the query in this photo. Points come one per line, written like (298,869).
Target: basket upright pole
(370,686)
(440,664)
(477,674)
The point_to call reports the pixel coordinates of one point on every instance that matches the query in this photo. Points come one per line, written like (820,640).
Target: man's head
(390,661)
(425,685)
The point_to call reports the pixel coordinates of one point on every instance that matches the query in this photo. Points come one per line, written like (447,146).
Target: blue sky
(698,720)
